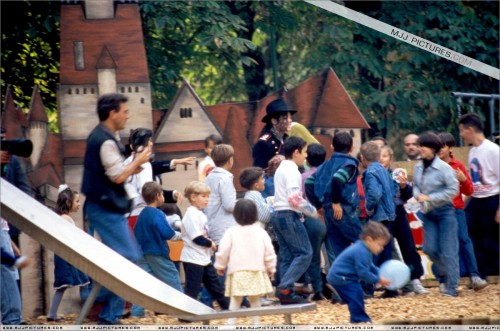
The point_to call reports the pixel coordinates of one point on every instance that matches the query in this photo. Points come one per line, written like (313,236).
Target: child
(220,206)
(466,250)
(151,232)
(295,251)
(401,228)
(380,193)
(195,256)
(65,275)
(207,164)
(336,188)
(269,172)
(355,264)
(174,219)
(434,186)
(316,229)
(252,179)
(247,255)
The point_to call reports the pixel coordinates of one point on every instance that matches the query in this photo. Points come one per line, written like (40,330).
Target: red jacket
(466,187)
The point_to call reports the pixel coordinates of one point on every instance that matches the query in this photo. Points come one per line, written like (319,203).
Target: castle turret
(38,126)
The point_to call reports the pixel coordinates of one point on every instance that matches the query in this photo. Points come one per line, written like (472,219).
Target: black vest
(96,186)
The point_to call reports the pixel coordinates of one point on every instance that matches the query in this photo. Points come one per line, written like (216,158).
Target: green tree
(197,41)
(30,52)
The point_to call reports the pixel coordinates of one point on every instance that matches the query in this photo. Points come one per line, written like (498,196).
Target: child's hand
(337,211)
(214,247)
(271,274)
(221,272)
(384,281)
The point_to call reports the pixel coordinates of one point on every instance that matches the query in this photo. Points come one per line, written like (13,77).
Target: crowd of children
(236,249)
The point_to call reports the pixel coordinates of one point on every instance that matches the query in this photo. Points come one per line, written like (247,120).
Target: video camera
(20,147)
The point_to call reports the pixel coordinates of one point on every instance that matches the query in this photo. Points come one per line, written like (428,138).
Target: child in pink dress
(247,255)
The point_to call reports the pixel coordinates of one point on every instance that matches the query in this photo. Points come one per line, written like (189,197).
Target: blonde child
(198,248)
(247,255)
(66,275)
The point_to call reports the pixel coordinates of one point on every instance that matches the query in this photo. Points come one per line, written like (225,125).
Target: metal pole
(459,112)
(96,287)
(491,105)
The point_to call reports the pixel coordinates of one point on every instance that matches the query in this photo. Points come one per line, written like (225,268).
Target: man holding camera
(103,185)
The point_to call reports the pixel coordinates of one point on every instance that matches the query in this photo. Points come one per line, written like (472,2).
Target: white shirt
(484,168)
(194,224)
(134,184)
(287,180)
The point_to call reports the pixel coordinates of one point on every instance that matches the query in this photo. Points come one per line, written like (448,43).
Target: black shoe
(318,296)
(388,294)
(287,297)
(23,322)
(245,303)
(55,319)
(184,321)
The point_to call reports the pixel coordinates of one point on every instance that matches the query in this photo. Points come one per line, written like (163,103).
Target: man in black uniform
(278,120)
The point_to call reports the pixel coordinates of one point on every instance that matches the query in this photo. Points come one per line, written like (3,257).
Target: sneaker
(418,288)
(287,297)
(303,289)
(55,319)
(442,288)
(266,302)
(451,293)
(477,283)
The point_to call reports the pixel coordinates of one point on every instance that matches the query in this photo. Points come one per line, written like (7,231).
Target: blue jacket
(151,231)
(323,181)
(380,192)
(355,263)
(438,181)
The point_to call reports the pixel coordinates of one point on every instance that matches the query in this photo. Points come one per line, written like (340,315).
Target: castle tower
(11,118)
(102,51)
(38,126)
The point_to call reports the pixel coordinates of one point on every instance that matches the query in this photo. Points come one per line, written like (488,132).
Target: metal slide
(99,262)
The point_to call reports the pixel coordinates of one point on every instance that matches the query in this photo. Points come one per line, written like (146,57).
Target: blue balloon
(396,272)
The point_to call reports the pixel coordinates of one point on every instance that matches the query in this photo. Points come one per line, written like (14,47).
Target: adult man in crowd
(106,199)
(482,211)
(278,121)
(412,150)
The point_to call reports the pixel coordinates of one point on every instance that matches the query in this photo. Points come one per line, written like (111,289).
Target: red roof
(37,109)
(119,41)
(10,117)
(336,108)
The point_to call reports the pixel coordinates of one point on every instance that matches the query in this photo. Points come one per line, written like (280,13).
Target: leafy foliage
(30,52)
(226,50)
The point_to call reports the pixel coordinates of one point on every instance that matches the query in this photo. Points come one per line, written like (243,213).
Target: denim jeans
(163,269)
(114,232)
(295,249)
(10,297)
(441,243)
(340,233)
(465,247)
(483,231)
(316,231)
(352,294)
